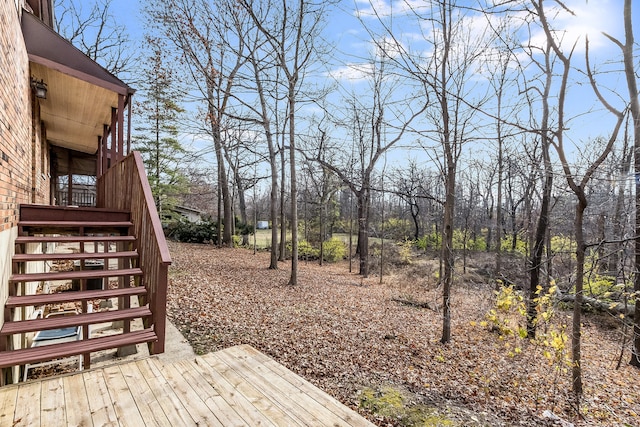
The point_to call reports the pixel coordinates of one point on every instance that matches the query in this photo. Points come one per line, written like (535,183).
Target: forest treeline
(456,125)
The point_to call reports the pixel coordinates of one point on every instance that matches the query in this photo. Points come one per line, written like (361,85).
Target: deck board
(253,396)
(8,397)
(100,404)
(143,396)
(52,407)
(76,401)
(164,395)
(305,407)
(246,414)
(27,410)
(260,384)
(238,386)
(225,413)
(124,404)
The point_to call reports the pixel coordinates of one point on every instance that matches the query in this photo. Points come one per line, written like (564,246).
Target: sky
(353,44)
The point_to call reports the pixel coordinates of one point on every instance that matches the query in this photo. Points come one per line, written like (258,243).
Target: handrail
(124,186)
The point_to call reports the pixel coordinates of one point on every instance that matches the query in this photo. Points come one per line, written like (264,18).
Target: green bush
(305,250)
(334,250)
(397,229)
(405,252)
(521,244)
(243,229)
(186,231)
(429,241)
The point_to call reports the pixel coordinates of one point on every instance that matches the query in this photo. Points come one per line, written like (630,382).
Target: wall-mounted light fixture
(39,87)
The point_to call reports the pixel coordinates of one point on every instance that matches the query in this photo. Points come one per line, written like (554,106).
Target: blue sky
(353,44)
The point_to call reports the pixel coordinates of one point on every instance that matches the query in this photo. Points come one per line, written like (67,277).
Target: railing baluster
(125,187)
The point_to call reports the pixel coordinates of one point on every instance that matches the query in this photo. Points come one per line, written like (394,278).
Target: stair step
(69,256)
(74,239)
(69,227)
(65,213)
(62,297)
(60,322)
(56,351)
(76,224)
(66,275)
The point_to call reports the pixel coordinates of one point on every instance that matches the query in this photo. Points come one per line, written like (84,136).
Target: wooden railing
(124,186)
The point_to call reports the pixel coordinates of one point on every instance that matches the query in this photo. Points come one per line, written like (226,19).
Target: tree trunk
(283,220)
(293,280)
(273,164)
(498,270)
(414,215)
(223,188)
(620,199)
(218,214)
(635,114)
(322,232)
(448,255)
(363,231)
(536,255)
(576,336)
(273,208)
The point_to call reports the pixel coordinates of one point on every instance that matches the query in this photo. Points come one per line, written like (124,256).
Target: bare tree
(546,68)
(95,31)
(498,66)
(372,134)
(264,115)
(293,38)
(579,189)
(410,185)
(455,50)
(634,106)
(212,57)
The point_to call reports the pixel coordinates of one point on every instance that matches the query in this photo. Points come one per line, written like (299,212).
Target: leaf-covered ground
(345,335)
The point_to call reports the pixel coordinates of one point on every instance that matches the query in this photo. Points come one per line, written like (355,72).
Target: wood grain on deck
(238,386)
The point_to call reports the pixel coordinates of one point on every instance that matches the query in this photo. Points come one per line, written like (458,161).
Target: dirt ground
(356,338)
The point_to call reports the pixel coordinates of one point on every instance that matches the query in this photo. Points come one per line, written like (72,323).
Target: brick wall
(16,137)
(15,134)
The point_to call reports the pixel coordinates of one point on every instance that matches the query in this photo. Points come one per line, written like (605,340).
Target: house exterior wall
(40,159)
(19,145)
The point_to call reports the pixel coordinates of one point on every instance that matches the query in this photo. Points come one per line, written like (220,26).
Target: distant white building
(191,214)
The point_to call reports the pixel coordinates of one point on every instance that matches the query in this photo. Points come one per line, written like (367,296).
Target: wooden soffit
(80,93)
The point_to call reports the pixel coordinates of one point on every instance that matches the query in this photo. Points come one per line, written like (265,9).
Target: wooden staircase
(100,245)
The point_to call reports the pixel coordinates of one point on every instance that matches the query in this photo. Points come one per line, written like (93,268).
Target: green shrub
(405,253)
(392,405)
(334,250)
(243,229)
(305,250)
(397,229)
(432,240)
(521,244)
(186,231)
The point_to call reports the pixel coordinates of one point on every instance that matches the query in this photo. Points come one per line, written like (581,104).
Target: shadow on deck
(238,386)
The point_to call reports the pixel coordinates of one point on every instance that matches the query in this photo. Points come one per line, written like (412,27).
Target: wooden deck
(238,386)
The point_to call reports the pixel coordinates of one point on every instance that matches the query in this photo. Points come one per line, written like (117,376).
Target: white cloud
(384,8)
(353,72)
(588,19)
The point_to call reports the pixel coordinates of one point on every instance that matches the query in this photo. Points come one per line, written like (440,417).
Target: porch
(237,386)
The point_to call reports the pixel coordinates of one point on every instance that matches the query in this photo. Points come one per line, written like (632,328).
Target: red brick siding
(17,142)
